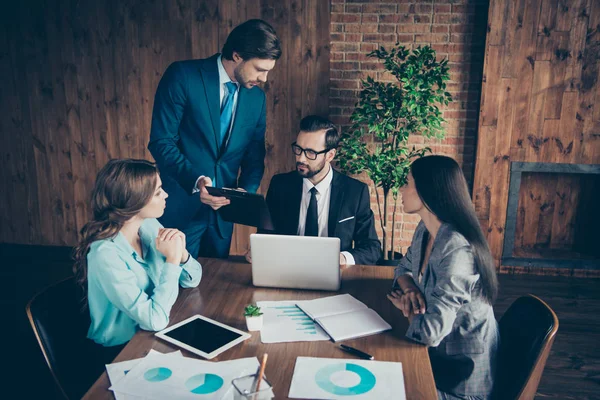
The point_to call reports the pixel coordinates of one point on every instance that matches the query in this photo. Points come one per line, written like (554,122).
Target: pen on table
(357,352)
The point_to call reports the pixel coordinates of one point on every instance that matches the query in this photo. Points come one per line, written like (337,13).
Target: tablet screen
(203,335)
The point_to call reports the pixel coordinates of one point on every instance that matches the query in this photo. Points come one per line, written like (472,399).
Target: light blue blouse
(126,291)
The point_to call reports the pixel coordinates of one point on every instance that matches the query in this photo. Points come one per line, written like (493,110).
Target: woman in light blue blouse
(130,265)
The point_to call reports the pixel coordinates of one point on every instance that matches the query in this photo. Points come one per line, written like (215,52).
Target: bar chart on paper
(284,321)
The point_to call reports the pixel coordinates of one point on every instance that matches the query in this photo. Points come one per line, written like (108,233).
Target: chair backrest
(60,326)
(527,332)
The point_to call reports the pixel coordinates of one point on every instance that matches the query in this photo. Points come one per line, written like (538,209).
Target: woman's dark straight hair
(442,187)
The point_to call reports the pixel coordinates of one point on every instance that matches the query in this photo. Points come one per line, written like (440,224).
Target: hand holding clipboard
(243,208)
(215,202)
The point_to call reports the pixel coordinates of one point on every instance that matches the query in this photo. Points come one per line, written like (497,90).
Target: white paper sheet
(283,321)
(117,371)
(331,305)
(159,377)
(335,378)
(354,324)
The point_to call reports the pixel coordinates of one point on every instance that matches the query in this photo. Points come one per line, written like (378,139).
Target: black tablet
(203,336)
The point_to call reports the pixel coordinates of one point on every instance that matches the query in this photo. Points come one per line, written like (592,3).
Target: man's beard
(310,172)
(240,78)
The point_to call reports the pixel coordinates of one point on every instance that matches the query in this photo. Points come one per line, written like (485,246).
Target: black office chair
(527,332)
(60,326)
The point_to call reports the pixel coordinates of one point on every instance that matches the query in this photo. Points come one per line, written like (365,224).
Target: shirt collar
(322,186)
(223,77)
(145,236)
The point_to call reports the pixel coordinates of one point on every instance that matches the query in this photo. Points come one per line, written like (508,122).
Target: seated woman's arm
(403,272)
(192,270)
(456,278)
(119,284)
(191,274)
(405,293)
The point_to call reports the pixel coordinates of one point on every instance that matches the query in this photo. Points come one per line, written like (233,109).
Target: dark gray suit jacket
(459,324)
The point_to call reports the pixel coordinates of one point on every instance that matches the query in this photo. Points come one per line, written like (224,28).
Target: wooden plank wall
(556,215)
(540,102)
(78,83)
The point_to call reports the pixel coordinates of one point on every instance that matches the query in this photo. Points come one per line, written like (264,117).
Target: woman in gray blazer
(446,284)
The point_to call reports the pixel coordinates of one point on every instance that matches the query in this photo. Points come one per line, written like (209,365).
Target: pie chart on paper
(204,383)
(158,374)
(345,379)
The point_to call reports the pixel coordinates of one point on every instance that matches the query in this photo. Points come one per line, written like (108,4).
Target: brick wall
(454,28)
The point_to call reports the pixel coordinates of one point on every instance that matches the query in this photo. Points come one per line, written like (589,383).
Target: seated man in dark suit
(316,200)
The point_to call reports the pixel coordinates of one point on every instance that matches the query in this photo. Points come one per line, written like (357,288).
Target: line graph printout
(283,321)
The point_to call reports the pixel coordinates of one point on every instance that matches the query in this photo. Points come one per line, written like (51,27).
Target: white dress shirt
(223,80)
(323,201)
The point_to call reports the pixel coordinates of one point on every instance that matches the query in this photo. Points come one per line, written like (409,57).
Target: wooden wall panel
(78,88)
(538,104)
(557,215)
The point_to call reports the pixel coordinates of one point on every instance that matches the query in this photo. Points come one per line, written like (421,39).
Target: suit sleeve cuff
(195,189)
(349,258)
(413,331)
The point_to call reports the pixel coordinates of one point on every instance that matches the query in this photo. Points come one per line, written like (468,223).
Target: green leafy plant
(384,117)
(252,310)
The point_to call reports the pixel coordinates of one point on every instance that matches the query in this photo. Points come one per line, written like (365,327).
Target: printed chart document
(344,317)
(336,378)
(159,376)
(284,321)
(117,371)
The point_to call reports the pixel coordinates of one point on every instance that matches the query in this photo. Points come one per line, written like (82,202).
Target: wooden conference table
(226,288)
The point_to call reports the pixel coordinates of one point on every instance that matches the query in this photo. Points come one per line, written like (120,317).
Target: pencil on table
(262,370)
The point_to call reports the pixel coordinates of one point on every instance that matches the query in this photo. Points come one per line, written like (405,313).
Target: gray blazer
(458,325)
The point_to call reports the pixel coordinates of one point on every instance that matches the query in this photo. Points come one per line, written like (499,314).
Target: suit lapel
(416,254)
(335,202)
(210,76)
(296,200)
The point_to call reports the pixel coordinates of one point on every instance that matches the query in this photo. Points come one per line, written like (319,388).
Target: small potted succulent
(254,318)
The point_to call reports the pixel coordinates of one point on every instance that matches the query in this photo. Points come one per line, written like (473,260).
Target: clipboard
(244,208)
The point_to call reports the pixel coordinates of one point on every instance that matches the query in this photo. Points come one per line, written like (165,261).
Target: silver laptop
(301,262)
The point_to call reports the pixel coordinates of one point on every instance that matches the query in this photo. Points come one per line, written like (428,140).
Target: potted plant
(254,317)
(384,117)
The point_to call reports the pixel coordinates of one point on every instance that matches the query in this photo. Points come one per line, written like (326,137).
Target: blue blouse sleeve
(191,274)
(120,286)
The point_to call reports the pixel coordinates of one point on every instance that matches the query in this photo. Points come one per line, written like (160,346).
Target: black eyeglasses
(309,153)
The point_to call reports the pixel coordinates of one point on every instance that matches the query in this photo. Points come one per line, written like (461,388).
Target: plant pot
(254,323)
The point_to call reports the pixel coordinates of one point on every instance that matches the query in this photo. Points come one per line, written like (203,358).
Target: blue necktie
(227,111)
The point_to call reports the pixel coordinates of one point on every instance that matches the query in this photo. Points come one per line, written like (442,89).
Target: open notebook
(343,317)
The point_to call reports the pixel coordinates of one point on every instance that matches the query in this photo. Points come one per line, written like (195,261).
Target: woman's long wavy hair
(122,189)
(442,187)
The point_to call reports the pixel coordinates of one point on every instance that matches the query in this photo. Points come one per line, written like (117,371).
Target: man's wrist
(196,188)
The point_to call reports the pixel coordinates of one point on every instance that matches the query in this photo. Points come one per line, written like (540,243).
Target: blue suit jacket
(184,139)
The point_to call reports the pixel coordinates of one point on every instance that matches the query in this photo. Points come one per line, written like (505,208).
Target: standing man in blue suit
(208,128)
